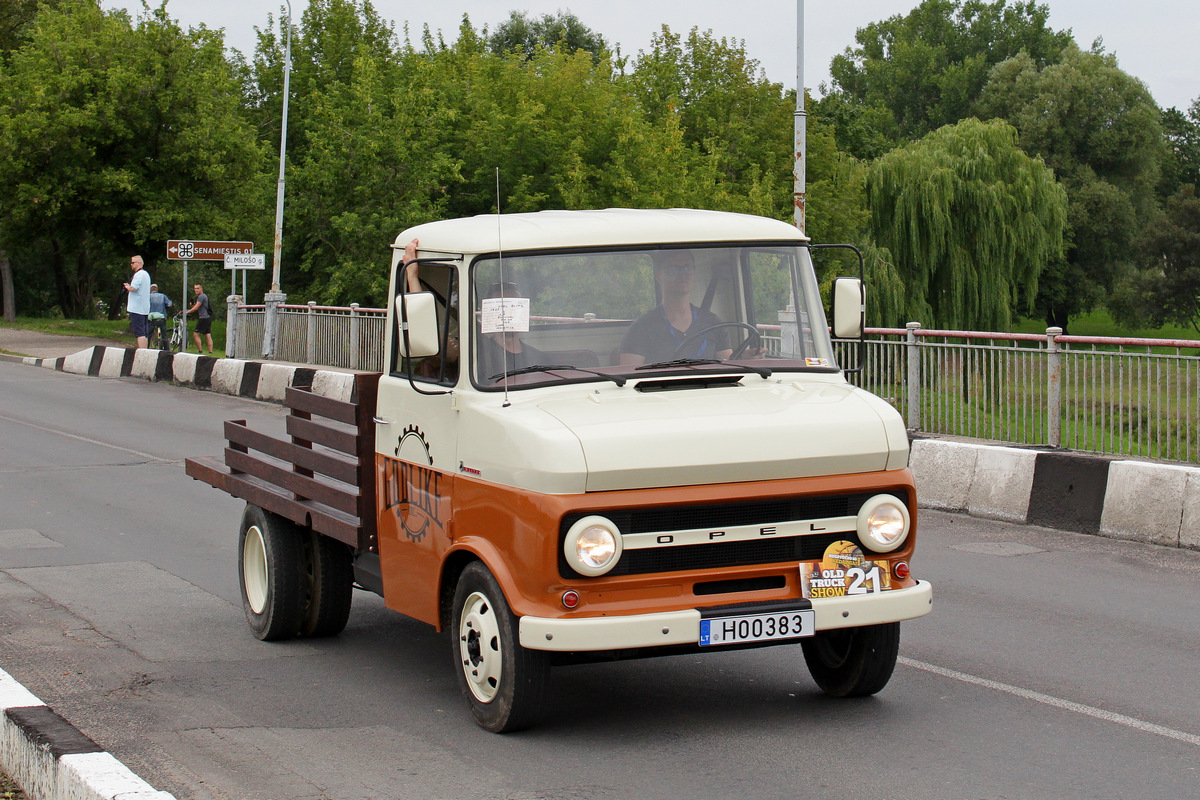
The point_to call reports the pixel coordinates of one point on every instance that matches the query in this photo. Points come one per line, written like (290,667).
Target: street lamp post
(275,297)
(800,119)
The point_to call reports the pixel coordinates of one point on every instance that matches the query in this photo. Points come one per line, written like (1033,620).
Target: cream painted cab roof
(608,227)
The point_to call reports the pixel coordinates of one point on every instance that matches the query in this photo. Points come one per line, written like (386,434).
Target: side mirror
(417,325)
(849,308)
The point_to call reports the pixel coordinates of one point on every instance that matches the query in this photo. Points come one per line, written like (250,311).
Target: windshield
(632,313)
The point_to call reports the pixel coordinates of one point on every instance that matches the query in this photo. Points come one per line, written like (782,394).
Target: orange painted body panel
(426,516)
(414,530)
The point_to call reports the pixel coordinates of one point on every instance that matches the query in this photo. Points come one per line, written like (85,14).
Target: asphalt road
(1053,665)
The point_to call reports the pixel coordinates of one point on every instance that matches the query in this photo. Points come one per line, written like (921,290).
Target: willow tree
(970,221)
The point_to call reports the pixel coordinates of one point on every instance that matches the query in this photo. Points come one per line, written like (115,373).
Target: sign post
(244,262)
(195,250)
(186,250)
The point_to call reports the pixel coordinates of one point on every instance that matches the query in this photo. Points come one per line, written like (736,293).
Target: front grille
(726,554)
(723,515)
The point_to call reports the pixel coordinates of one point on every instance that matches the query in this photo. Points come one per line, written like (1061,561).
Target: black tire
(270,571)
(853,662)
(504,683)
(329,586)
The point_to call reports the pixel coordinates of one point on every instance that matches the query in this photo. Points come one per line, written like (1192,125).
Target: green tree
(1098,128)
(375,165)
(969,221)
(15,19)
(726,108)
(836,190)
(565,132)
(116,139)
(926,68)
(1182,132)
(524,34)
(1167,287)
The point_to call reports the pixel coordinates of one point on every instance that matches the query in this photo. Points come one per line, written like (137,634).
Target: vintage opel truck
(597,434)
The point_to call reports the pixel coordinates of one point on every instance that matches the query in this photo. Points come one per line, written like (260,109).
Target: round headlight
(883,523)
(593,546)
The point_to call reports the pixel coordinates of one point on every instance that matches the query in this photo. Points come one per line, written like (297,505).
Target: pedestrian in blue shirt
(139,301)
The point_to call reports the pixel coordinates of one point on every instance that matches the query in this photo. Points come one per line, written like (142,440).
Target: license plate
(775,625)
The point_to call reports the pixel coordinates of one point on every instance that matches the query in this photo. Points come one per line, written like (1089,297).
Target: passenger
(658,334)
(504,351)
(431,367)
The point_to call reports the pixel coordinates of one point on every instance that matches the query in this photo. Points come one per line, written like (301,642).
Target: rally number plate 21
(761,627)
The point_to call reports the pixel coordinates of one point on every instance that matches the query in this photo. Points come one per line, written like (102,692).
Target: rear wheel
(853,662)
(504,683)
(270,563)
(329,586)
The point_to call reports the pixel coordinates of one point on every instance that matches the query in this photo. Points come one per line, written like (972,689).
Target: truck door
(416,448)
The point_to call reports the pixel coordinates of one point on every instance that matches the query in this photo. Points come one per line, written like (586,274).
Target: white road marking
(1056,702)
(137,453)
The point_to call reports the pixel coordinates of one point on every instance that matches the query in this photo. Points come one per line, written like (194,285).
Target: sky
(1154,40)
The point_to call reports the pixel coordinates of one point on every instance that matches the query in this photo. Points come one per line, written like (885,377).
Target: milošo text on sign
(245,261)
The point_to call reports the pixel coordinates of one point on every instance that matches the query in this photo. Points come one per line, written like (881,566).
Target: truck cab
(621,433)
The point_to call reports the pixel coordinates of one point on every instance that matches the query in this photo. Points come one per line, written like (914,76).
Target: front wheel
(270,564)
(504,683)
(853,662)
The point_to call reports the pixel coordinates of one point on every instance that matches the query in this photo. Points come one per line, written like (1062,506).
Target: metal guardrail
(1118,396)
(334,336)
(1109,395)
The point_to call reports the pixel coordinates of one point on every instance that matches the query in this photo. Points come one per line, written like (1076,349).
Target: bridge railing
(1112,395)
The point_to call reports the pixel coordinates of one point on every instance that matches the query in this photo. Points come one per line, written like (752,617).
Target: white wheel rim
(254,569)
(479,647)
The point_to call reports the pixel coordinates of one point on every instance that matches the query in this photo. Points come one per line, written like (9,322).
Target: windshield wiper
(762,372)
(619,381)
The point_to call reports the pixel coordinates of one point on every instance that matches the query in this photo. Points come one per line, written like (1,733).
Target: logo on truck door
(411,446)
(413,491)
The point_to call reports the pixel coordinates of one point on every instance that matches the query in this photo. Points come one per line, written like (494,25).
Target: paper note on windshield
(505,315)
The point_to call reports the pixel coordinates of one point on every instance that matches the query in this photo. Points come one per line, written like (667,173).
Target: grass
(115,331)
(1101,323)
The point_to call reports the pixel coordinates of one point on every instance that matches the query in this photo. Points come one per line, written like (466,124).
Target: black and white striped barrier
(51,759)
(1122,499)
(259,380)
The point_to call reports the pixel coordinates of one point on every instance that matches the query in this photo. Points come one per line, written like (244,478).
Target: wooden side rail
(323,476)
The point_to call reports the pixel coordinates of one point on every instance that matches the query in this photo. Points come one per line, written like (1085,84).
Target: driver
(657,334)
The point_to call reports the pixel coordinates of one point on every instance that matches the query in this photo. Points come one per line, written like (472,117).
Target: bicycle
(178,333)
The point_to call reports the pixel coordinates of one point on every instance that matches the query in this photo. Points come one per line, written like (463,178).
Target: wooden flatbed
(322,477)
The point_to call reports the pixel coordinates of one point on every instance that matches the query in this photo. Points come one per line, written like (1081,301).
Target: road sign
(245,261)
(191,250)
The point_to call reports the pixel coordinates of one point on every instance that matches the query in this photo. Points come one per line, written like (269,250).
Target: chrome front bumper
(683,627)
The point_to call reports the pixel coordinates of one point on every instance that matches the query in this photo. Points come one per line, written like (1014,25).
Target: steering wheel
(738,351)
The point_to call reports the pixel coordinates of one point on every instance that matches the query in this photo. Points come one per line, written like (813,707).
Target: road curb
(255,379)
(1118,498)
(51,759)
